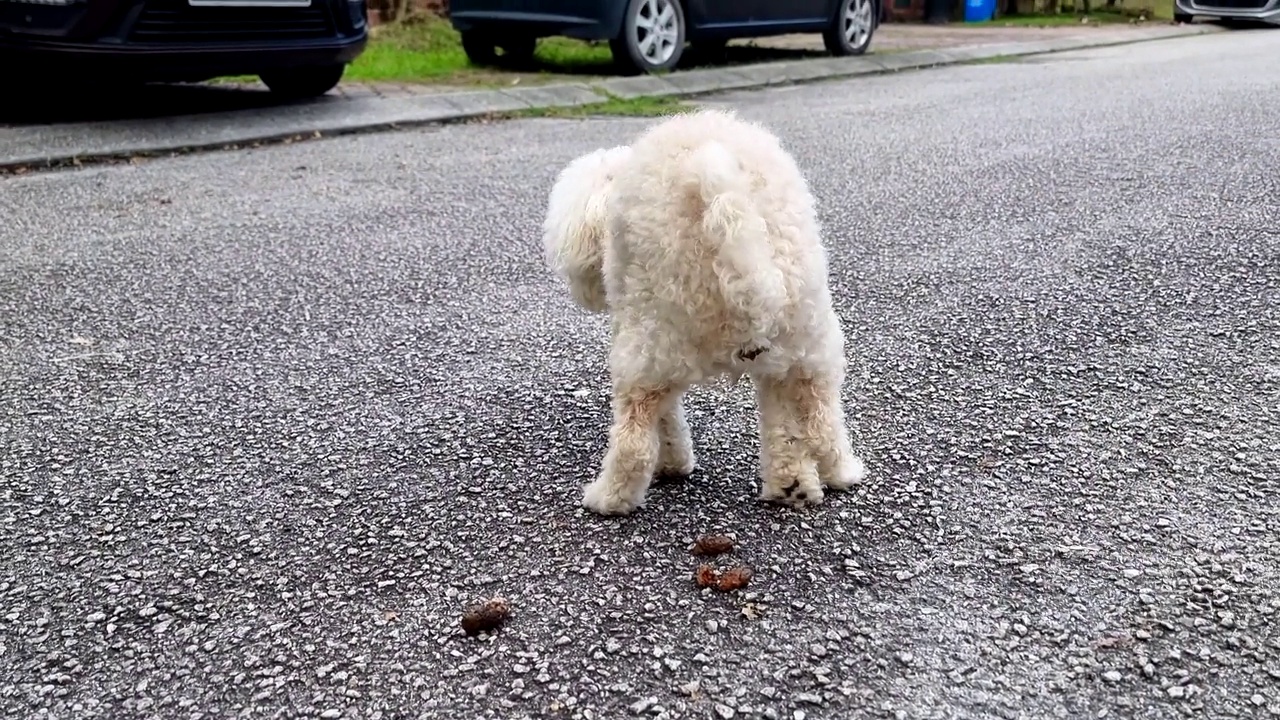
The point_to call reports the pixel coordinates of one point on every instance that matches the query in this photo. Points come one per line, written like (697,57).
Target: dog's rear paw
(676,468)
(676,458)
(796,493)
(606,499)
(852,472)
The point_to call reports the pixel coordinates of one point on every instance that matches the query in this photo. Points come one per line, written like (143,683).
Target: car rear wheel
(484,48)
(1183,18)
(303,82)
(851,29)
(652,38)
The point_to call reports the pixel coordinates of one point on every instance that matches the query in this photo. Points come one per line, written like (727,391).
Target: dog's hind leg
(676,457)
(820,414)
(788,472)
(634,448)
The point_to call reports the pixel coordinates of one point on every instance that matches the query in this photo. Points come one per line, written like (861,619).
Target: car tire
(1183,18)
(652,37)
(851,29)
(486,49)
(304,82)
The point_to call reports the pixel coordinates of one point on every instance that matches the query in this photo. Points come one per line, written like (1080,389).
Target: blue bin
(979,10)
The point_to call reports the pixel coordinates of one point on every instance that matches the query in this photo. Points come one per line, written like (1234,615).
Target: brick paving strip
(374,107)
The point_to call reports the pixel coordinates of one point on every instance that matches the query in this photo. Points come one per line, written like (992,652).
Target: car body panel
(161,40)
(583,19)
(1267,11)
(602,19)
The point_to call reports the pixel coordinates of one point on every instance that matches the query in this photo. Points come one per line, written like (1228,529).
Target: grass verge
(994,60)
(614,106)
(427,48)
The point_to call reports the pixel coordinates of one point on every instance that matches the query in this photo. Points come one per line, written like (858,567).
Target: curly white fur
(701,243)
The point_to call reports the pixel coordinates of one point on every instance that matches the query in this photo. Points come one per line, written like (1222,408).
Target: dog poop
(712,545)
(706,576)
(485,617)
(734,579)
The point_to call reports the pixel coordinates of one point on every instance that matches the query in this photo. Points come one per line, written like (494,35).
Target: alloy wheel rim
(657,30)
(857,22)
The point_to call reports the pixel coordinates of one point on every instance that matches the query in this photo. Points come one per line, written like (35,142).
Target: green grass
(426,49)
(614,106)
(994,60)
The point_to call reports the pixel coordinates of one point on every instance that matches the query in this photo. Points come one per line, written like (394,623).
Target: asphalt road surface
(272,419)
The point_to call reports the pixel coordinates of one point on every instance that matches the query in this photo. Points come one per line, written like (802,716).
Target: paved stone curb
(57,145)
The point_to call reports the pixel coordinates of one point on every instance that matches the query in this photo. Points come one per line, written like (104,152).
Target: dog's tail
(576,225)
(750,281)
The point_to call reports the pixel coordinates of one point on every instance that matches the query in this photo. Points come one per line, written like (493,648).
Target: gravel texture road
(272,419)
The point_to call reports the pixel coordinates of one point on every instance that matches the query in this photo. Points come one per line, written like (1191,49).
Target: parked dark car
(300,48)
(649,35)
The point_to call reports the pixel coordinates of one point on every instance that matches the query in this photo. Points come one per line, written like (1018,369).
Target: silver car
(1267,11)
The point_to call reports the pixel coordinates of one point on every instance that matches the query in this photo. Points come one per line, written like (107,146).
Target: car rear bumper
(170,40)
(174,63)
(1259,10)
(584,19)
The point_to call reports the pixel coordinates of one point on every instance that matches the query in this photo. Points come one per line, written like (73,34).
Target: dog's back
(713,243)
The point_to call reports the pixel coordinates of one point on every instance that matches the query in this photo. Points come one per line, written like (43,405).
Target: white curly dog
(701,242)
